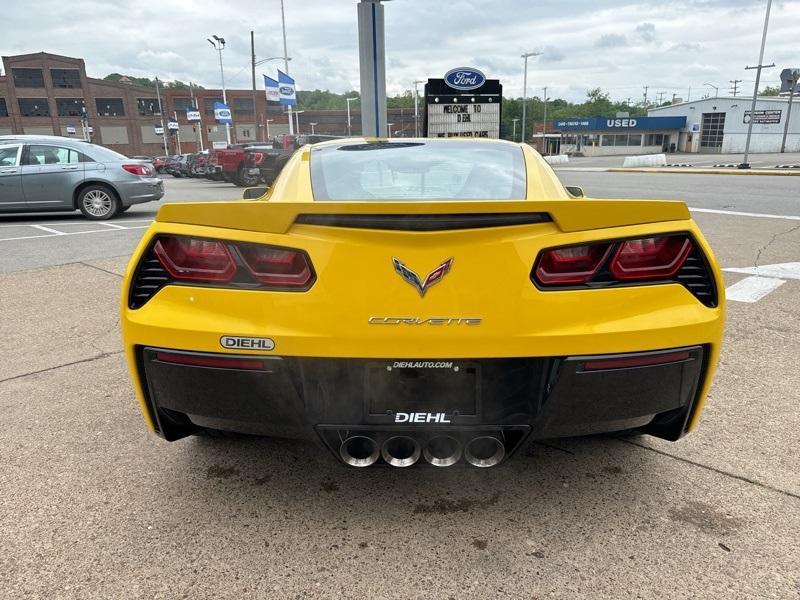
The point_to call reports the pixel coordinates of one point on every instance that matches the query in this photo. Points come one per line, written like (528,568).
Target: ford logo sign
(223,113)
(464,78)
(286,90)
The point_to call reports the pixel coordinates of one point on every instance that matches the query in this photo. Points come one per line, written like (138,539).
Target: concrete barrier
(557,159)
(646,160)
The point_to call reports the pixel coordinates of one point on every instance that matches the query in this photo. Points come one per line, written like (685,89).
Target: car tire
(98,203)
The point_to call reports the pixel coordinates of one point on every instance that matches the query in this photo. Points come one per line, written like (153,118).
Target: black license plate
(422,386)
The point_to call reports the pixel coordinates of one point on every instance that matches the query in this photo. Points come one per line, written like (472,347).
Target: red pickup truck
(228,164)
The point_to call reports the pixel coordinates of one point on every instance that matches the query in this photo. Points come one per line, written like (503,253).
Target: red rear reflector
(629,362)
(137,169)
(650,258)
(574,264)
(275,266)
(216,362)
(194,259)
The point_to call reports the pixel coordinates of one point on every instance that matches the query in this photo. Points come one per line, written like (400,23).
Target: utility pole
(745,164)
(177,132)
(734,86)
(661,97)
(286,66)
(792,86)
(219,46)
(645,96)
(161,114)
(416,107)
(253,68)
(544,123)
(525,92)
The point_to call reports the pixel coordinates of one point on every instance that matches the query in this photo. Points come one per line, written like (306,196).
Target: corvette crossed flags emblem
(413,279)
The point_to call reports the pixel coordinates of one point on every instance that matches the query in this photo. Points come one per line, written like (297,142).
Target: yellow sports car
(431,301)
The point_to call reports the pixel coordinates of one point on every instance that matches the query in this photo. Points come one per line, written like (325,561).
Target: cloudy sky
(619,45)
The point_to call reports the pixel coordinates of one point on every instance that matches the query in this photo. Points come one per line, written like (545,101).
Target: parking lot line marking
(745,214)
(113,225)
(62,234)
(752,289)
(75,222)
(790,270)
(47,229)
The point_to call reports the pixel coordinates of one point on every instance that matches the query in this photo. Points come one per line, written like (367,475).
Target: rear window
(429,170)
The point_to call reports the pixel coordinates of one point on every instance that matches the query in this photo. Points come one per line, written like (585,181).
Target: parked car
(53,173)
(159,162)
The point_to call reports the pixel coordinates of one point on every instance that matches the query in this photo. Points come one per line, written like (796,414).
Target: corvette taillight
(193,259)
(650,258)
(607,263)
(276,267)
(573,264)
(174,259)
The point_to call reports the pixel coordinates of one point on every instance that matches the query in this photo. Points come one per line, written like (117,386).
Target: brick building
(45,94)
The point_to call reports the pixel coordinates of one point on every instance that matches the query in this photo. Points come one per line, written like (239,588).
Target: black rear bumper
(305,397)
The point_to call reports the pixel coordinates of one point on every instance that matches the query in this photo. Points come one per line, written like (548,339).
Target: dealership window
(243,106)
(148,106)
(654,139)
(208,105)
(635,139)
(3,108)
(69,107)
(34,107)
(591,139)
(65,78)
(182,104)
(28,78)
(607,139)
(110,107)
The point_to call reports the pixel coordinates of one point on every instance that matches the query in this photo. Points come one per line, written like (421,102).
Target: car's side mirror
(575,191)
(254,192)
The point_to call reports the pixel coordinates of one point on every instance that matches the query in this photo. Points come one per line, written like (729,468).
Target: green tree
(770,91)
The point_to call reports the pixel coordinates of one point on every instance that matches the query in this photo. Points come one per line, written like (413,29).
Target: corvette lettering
(427,321)
(421,418)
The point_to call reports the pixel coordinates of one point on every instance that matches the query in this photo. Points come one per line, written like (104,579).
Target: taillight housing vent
(201,262)
(671,258)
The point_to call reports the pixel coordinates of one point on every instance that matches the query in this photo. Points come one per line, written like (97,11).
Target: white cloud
(424,38)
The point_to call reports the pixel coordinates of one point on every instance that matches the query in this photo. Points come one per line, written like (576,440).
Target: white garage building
(720,124)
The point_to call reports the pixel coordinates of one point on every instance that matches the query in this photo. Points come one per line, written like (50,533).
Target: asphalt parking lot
(93,506)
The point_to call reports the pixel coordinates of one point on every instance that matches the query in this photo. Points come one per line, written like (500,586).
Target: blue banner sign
(619,123)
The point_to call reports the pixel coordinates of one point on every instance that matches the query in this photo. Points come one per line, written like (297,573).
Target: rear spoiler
(279,217)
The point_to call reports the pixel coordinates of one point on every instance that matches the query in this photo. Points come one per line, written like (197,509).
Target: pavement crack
(80,262)
(69,364)
(712,469)
(772,241)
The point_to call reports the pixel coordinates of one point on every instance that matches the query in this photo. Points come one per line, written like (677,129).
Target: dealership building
(46,94)
(709,125)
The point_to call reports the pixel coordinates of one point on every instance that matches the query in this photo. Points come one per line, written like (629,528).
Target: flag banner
(192,115)
(273,95)
(286,89)
(159,130)
(173,125)
(222,113)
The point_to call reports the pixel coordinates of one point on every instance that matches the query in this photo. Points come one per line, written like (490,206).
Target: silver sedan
(50,173)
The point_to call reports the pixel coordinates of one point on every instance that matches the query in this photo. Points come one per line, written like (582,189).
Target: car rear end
(433,332)
(135,181)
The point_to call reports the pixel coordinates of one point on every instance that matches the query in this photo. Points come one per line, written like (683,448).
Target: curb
(701,171)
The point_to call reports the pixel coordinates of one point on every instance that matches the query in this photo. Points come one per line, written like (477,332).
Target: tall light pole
(219,45)
(416,106)
(297,119)
(525,91)
(514,134)
(544,124)
(312,127)
(716,89)
(349,126)
(268,121)
(745,164)
(161,113)
(286,67)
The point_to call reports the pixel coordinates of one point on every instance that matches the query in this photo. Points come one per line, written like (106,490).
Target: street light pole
(745,164)
(268,121)
(716,89)
(161,112)
(219,46)
(286,68)
(514,134)
(525,91)
(544,124)
(416,106)
(312,127)
(349,126)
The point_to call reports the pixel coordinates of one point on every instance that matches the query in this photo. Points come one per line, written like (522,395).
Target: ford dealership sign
(464,78)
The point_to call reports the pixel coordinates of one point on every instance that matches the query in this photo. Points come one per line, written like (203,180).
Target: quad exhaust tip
(484,451)
(359,451)
(442,451)
(401,451)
